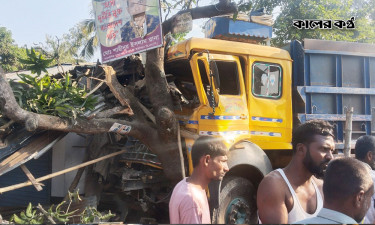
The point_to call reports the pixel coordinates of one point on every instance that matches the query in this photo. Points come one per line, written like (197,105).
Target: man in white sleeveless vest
(294,193)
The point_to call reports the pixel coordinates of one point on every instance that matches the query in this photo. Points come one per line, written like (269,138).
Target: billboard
(126,27)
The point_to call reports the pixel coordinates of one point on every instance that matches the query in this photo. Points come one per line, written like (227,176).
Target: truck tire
(237,202)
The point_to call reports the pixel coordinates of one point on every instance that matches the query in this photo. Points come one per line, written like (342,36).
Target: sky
(31,20)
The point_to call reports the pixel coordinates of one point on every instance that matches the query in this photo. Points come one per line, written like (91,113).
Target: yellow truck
(253,95)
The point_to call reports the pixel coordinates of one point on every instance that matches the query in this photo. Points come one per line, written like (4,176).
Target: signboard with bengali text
(126,27)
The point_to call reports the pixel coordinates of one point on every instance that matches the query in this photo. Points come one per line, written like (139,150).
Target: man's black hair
(364,145)
(206,145)
(306,132)
(345,177)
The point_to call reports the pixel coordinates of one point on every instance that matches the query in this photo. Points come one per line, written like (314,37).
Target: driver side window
(228,75)
(267,79)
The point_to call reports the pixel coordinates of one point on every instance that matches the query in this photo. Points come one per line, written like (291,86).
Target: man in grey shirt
(347,189)
(365,151)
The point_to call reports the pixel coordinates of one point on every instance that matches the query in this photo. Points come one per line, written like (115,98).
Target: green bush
(50,96)
(45,95)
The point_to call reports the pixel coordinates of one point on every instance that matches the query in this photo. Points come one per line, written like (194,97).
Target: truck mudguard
(246,155)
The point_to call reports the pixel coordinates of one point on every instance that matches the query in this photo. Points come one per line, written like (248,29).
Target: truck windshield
(182,77)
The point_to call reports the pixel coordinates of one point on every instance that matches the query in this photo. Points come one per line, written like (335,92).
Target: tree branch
(110,112)
(13,111)
(123,94)
(222,8)
(45,213)
(139,130)
(116,88)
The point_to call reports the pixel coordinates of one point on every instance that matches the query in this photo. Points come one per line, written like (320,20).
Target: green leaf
(59,102)
(67,80)
(235,15)
(61,112)
(29,210)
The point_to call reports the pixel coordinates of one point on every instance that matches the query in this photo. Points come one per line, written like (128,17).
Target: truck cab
(239,91)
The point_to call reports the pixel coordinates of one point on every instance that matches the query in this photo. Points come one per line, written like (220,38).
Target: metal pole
(348,132)
(180,151)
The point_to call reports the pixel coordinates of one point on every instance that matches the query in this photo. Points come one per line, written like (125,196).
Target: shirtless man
(294,193)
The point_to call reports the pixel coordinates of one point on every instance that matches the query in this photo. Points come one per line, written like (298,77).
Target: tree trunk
(222,8)
(161,100)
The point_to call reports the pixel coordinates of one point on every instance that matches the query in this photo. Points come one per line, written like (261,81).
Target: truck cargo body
(330,77)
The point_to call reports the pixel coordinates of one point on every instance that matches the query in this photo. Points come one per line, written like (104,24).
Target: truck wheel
(237,202)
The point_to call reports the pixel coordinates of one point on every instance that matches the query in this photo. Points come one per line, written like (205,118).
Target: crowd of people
(314,188)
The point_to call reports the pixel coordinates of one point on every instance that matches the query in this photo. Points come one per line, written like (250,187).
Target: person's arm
(271,201)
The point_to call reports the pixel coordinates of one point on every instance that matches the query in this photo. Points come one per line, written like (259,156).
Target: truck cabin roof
(183,49)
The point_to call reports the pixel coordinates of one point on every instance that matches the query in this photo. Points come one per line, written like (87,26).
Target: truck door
(270,103)
(231,117)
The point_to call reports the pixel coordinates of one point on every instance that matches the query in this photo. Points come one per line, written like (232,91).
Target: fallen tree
(161,137)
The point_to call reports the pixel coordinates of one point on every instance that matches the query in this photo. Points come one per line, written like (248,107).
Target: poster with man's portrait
(126,27)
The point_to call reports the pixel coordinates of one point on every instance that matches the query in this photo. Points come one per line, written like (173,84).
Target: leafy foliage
(9,52)
(169,6)
(50,96)
(60,215)
(362,10)
(46,95)
(246,6)
(84,36)
(63,50)
(35,62)
(177,37)
(89,215)
(29,216)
